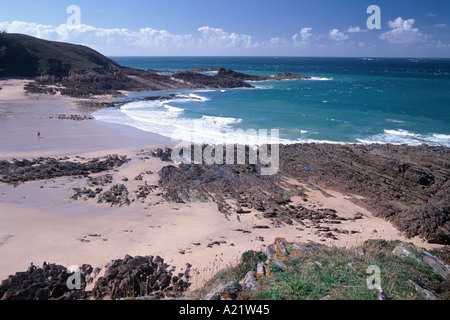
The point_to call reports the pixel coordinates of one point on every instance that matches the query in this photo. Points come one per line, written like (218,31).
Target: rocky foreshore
(122,278)
(129,79)
(150,278)
(407,185)
(20,171)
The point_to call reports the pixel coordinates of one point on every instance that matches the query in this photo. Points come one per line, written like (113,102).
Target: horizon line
(268,56)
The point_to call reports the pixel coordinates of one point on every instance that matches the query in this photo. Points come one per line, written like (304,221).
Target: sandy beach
(41,222)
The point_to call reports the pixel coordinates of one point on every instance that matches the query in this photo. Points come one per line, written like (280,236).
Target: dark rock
(117,195)
(198,80)
(407,185)
(101,180)
(290,76)
(227,291)
(72,117)
(140,276)
(47,283)
(19,171)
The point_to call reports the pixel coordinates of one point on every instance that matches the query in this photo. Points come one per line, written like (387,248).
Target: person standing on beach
(31,268)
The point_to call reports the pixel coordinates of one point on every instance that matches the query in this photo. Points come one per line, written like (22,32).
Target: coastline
(42,223)
(24,115)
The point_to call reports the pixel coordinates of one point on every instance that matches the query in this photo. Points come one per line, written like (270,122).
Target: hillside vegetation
(25,56)
(291,271)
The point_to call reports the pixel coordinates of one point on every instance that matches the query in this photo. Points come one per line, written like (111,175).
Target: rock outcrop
(19,171)
(46,283)
(407,185)
(141,276)
(130,277)
(423,257)
(198,80)
(289,76)
(413,195)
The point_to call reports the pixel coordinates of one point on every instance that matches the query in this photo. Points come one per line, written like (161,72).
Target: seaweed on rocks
(148,277)
(46,283)
(117,195)
(19,171)
(406,185)
(139,276)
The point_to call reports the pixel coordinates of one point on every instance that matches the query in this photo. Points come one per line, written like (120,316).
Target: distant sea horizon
(347,100)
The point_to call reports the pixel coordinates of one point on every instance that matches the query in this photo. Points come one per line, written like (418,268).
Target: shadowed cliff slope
(26,56)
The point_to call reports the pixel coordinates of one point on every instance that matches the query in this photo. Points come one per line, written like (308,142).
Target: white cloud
(441,45)
(403,32)
(356,30)
(430,15)
(115,40)
(440,25)
(336,35)
(101,37)
(305,33)
(275,40)
(218,38)
(303,37)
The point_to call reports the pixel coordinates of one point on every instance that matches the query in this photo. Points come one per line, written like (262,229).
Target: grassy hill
(26,56)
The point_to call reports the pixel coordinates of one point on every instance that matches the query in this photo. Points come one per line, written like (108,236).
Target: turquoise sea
(348,100)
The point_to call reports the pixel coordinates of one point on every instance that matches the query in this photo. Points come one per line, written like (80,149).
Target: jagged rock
(408,250)
(381,294)
(260,270)
(439,266)
(46,283)
(101,180)
(249,282)
(198,80)
(117,195)
(426,293)
(19,171)
(88,193)
(289,76)
(414,177)
(73,117)
(357,216)
(228,291)
(164,155)
(140,276)
(405,249)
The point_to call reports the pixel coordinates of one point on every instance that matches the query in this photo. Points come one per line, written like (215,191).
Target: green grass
(197,197)
(287,194)
(325,272)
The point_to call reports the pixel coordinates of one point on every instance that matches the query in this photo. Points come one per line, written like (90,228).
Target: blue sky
(414,28)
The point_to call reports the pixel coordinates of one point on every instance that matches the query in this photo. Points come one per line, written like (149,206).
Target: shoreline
(217,136)
(42,213)
(22,124)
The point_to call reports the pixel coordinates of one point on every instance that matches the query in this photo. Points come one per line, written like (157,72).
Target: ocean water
(348,100)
